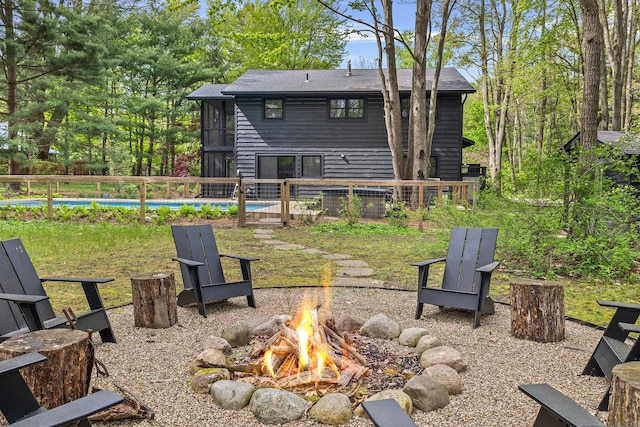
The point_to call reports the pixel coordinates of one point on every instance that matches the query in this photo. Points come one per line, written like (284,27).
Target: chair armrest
(629,327)
(618,304)
(243,258)
(73,411)
(77,279)
(428,262)
(488,268)
(188,262)
(24,299)
(16,363)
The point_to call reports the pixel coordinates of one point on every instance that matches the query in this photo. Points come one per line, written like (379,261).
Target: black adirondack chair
(557,409)
(387,413)
(467,273)
(24,305)
(201,268)
(612,348)
(21,409)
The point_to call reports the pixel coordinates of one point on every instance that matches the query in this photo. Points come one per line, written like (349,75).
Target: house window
(346,108)
(273,109)
(311,166)
(433,167)
(405,104)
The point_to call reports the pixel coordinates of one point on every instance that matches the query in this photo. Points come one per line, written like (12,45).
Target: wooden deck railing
(459,192)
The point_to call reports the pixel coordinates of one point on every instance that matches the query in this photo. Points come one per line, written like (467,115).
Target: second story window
(273,109)
(346,108)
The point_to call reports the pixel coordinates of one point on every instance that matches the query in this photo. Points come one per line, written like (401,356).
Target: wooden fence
(286,198)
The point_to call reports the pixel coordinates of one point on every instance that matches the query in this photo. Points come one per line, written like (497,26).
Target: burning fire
(311,352)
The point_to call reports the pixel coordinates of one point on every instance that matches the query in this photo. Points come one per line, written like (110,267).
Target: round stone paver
(263,231)
(312,251)
(289,247)
(355,272)
(351,263)
(337,256)
(274,242)
(263,236)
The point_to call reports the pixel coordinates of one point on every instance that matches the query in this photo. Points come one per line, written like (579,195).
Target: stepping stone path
(352,273)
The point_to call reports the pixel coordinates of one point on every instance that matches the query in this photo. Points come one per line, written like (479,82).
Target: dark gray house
(627,142)
(329,124)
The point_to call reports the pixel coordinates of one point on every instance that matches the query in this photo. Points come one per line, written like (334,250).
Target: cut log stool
(66,373)
(624,403)
(154,300)
(537,311)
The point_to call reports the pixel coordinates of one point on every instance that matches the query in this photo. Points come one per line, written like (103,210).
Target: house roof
(336,81)
(628,142)
(209,91)
(315,82)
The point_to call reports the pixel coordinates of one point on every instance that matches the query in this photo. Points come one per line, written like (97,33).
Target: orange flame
(314,354)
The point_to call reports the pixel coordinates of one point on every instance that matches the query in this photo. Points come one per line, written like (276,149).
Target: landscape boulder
(231,394)
(427,393)
(333,409)
(380,326)
(272,406)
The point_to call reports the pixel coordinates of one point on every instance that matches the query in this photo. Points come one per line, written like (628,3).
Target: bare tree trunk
(418,116)
(447,7)
(391,94)
(592,39)
(7,11)
(631,53)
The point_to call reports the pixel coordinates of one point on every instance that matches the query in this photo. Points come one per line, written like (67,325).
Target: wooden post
(154,300)
(624,402)
(66,373)
(537,311)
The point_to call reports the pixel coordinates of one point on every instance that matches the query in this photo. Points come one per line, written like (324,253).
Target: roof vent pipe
(307,78)
(348,69)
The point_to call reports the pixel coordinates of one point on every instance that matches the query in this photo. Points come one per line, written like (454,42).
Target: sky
(361,49)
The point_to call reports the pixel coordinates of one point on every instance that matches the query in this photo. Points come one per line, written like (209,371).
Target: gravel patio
(153,363)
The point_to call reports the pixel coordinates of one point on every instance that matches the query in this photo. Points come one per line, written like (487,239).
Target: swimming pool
(132,204)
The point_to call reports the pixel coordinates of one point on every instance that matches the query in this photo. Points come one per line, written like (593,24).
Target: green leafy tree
(50,49)
(277,35)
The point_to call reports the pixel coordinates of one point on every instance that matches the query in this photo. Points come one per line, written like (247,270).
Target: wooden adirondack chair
(612,348)
(21,409)
(201,268)
(24,305)
(467,273)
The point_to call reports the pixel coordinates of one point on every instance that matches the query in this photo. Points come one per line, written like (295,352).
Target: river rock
(410,336)
(272,406)
(403,399)
(238,335)
(231,394)
(443,355)
(449,377)
(426,342)
(265,327)
(427,393)
(333,409)
(217,343)
(347,323)
(201,382)
(380,326)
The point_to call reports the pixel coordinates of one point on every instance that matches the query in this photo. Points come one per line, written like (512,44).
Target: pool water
(131,204)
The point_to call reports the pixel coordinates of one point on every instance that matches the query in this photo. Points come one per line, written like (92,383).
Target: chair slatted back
(18,276)
(469,248)
(198,243)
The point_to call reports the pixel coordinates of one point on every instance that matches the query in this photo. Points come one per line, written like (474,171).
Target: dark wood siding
(307,130)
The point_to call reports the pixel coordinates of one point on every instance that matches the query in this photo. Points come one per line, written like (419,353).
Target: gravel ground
(153,363)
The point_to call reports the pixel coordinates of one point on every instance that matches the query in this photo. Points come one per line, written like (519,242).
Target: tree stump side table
(537,311)
(155,304)
(65,375)
(624,401)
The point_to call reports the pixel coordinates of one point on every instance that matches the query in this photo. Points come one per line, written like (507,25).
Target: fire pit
(308,355)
